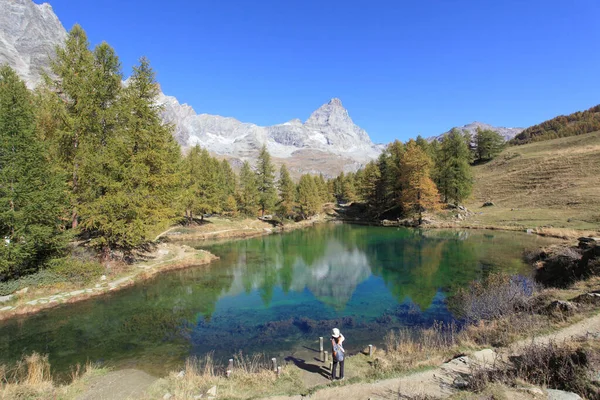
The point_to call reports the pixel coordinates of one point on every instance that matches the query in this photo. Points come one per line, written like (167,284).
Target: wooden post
(229,368)
(370,350)
(331,366)
(326,356)
(320,344)
(274,360)
(278,371)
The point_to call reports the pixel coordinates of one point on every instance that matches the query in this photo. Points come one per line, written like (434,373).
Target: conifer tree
(248,191)
(141,194)
(369,184)
(454,174)
(203,191)
(32,195)
(308,196)
(419,192)
(287,192)
(488,144)
(265,179)
(72,66)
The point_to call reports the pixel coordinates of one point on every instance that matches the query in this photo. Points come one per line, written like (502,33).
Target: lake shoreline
(21,305)
(46,299)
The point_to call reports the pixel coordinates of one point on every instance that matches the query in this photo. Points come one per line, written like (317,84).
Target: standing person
(338,352)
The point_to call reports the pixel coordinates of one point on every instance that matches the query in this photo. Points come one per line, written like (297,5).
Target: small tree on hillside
(419,192)
(488,144)
(248,191)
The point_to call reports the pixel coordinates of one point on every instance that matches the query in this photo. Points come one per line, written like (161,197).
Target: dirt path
(118,385)
(438,382)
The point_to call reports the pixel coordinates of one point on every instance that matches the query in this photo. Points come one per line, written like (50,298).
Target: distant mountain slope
(578,123)
(507,133)
(30,32)
(561,174)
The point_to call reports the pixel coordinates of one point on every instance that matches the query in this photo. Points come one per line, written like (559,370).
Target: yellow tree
(419,192)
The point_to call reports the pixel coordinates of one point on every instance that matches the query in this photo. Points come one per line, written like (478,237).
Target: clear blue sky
(401,68)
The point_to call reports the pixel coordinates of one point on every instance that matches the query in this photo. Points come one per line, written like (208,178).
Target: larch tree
(248,195)
(265,181)
(488,144)
(287,193)
(32,194)
(308,196)
(72,66)
(419,192)
(453,170)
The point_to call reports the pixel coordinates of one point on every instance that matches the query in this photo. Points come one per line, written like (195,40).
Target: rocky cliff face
(329,130)
(507,133)
(29,33)
(327,142)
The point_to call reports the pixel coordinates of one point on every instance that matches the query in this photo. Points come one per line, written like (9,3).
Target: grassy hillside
(555,182)
(578,123)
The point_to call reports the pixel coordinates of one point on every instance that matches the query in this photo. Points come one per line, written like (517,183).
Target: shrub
(496,296)
(75,270)
(43,277)
(552,365)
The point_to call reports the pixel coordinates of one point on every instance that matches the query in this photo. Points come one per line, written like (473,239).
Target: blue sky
(401,68)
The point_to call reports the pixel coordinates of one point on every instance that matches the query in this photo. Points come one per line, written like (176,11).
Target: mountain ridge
(506,133)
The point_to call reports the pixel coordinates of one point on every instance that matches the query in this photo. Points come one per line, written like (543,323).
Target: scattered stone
(7,308)
(181,374)
(561,395)
(89,290)
(77,292)
(588,298)
(43,301)
(534,391)
(22,291)
(561,307)
(167,396)
(4,299)
(212,391)
(267,230)
(529,231)
(488,204)
(103,278)
(97,285)
(588,242)
(460,383)
(32,303)
(198,396)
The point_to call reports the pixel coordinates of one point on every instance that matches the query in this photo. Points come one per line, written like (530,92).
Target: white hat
(335,333)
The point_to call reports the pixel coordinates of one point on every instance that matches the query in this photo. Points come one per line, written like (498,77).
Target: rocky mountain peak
(29,33)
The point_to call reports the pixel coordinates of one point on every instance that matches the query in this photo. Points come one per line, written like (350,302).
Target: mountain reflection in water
(271,294)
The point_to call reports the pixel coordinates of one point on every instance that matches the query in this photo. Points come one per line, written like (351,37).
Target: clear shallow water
(272,294)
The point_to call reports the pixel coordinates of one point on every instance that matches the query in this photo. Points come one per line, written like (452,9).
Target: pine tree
(308,196)
(454,174)
(488,144)
(72,66)
(287,193)
(419,192)
(203,193)
(368,184)
(265,178)
(248,191)
(141,194)
(32,194)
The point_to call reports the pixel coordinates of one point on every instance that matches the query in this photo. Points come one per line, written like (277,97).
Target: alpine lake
(274,294)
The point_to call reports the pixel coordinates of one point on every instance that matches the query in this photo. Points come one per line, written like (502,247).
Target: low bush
(562,366)
(496,296)
(43,277)
(76,271)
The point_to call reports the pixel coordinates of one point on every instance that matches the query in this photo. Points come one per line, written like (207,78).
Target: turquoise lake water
(273,294)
